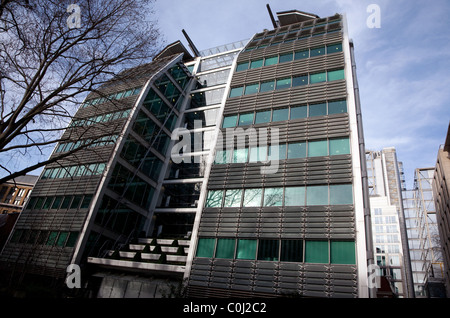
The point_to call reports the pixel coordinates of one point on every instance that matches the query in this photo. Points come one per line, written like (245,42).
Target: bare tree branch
(47,68)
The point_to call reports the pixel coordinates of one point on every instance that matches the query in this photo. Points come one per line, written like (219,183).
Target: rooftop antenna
(191,44)
(275,25)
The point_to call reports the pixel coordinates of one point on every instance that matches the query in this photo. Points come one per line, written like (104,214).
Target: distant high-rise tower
(388,220)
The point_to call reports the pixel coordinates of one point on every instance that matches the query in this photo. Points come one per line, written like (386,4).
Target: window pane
(294,196)
(242,66)
(337,107)
(341,194)
(237,91)
(62,238)
(296,150)
(280,114)
(317,110)
(214,199)
(283,83)
(240,155)
(252,198)
(205,247)
(277,152)
(342,252)
(318,148)
(317,195)
(246,119)
(292,251)
(233,198)
(75,202)
(301,55)
(316,252)
(229,121)
(51,238)
(73,236)
(286,57)
(334,48)
(339,146)
(300,81)
(299,112)
(262,117)
(267,86)
(246,249)
(221,157)
(273,196)
(258,154)
(57,202)
(225,248)
(317,78)
(336,75)
(271,60)
(318,51)
(268,250)
(66,202)
(251,89)
(256,64)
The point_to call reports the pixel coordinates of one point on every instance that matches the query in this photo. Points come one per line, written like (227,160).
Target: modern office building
(286,208)
(391,249)
(441,193)
(240,169)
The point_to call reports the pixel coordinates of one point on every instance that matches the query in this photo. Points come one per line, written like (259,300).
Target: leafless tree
(51,55)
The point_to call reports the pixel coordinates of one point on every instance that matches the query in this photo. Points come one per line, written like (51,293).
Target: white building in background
(388,221)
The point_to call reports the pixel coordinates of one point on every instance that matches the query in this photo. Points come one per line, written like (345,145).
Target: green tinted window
(277,152)
(57,202)
(73,236)
(296,150)
(280,114)
(301,55)
(225,248)
(336,75)
(316,252)
(205,247)
(341,194)
(317,78)
(256,64)
(299,112)
(252,198)
(240,155)
(237,91)
(294,196)
(251,89)
(317,195)
(62,238)
(318,51)
(317,110)
(343,252)
(283,83)
(271,60)
(233,198)
(339,146)
(246,249)
(214,199)
(263,117)
(337,107)
(273,196)
(334,48)
(300,81)
(286,57)
(242,66)
(246,119)
(318,148)
(229,121)
(52,238)
(267,86)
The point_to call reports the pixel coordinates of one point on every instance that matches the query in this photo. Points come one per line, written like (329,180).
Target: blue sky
(402,66)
